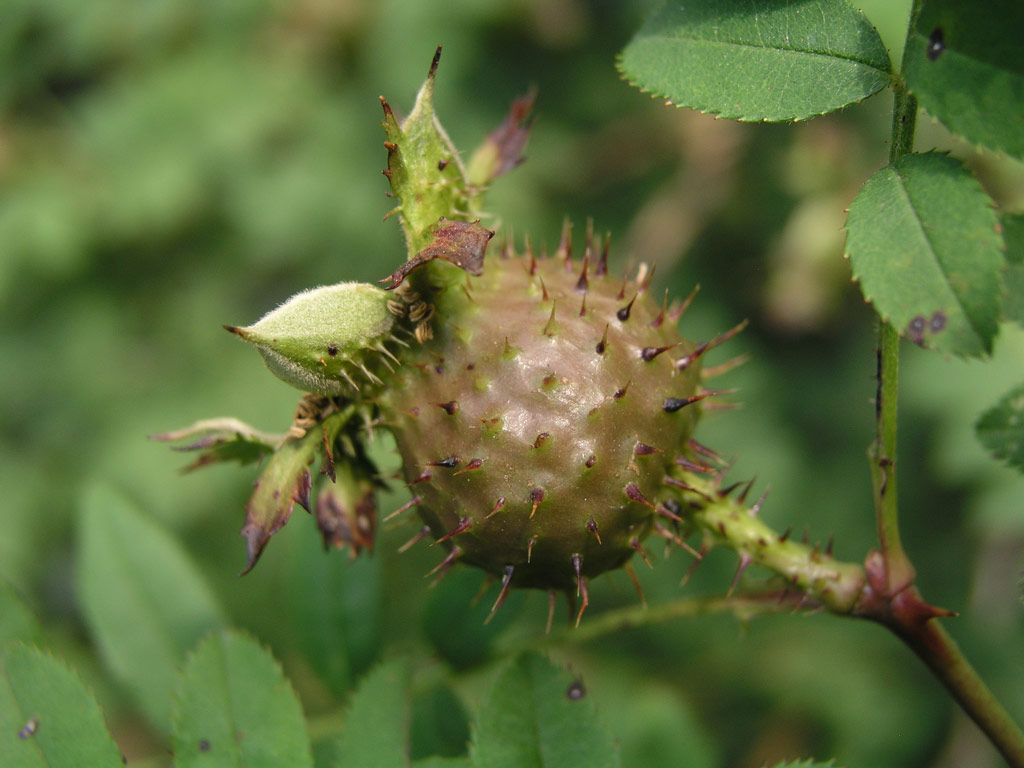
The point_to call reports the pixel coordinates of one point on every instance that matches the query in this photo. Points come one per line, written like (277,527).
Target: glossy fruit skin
(537,426)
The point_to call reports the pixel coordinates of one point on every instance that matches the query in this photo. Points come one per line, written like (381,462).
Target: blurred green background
(168,167)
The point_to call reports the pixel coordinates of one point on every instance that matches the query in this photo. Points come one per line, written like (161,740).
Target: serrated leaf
(773,60)
(1013,236)
(220,440)
(17,622)
(335,609)
(923,242)
(47,716)
(439,725)
(234,707)
(1001,428)
(538,716)
(144,600)
(376,731)
(965,64)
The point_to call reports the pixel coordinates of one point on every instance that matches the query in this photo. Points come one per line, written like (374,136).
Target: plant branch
(744,607)
(899,570)
(912,620)
(890,596)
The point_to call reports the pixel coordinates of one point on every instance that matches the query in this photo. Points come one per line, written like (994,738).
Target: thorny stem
(891,597)
(807,570)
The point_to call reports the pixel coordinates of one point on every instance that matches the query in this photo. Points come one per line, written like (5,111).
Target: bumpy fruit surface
(538,424)
(542,408)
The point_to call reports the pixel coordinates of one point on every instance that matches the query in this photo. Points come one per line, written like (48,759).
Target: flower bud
(320,340)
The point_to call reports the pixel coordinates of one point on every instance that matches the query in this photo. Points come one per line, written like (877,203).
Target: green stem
(940,652)
(891,597)
(744,607)
(899,571)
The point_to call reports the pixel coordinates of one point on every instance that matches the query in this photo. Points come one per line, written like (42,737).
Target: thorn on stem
(442,568)
(536,496)
(496,508)
(414,501)
(633,493)
(635,544)
(506,582)
(471,465)
(602,265)
(745,561)
(581,586)
(422,534)
(675,314)
(449,462)
(673,404)
(693,566)
(636,583)
(465,523)
(623,313)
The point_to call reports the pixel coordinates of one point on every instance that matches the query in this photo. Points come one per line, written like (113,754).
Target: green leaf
(334,604)
(47,716)
(1013,235)
(144,600)
(234,707)
(439,725)
(772,60)
(456,618)
(442,762)
(965,64)
(17,622)
(376,732)
(223,439)
(538,716)
(923,242)
(808,763)
(1001,428)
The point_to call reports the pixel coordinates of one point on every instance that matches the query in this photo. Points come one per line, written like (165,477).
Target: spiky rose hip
(539,405)
(537,426)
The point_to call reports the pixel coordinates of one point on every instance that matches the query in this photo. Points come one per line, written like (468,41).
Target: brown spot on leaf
(29,729)
(575,691)
(936,44)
